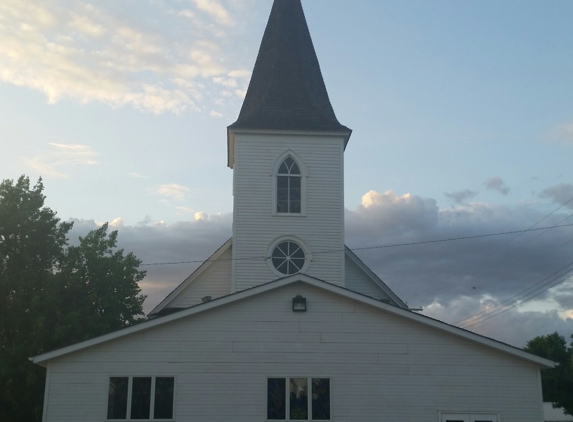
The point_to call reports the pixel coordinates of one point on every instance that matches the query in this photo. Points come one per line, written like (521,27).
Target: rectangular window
(131,398)
(307,399)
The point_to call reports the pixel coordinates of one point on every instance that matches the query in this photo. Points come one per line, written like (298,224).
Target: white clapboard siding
(255,226)
(382,366)
(214,282)
(358,281)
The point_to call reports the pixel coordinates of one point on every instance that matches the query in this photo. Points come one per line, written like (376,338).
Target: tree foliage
(53,294)
(557,382)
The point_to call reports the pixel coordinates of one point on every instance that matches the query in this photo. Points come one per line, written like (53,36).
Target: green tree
(557,383)
(53,294)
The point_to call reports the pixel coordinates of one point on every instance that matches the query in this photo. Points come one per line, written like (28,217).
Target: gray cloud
(495,183)
(461,196)
(452,280)
(561,194)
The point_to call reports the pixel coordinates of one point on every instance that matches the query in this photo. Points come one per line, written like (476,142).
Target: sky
(462,118)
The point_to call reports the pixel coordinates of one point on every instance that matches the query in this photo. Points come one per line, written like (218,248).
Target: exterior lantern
(299,304)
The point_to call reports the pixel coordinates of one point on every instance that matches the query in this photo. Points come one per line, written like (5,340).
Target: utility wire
(395,245)
(522,294)
(564,278)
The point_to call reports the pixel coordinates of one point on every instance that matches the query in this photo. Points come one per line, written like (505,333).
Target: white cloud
(91,54)
(173,190)
(215,114)
(561,193)
(137,175)
(51,163)
(214,9)
(561,134)
(201,216)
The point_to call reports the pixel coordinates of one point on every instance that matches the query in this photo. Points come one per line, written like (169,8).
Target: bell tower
(287,154)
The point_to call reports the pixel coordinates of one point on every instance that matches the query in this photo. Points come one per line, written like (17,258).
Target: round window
(288,257)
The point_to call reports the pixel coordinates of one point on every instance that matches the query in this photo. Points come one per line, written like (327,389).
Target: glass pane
(117,398)
(140,397)
(295,182)
(295,207)
(294,169)
(164,387)
(283,169)
(298,399)
(294,195)
(320,399)
(298,253)
(282,206)
(284,247)
(276,395)
(281,264)
(282,182)
(289,162)
(298,264)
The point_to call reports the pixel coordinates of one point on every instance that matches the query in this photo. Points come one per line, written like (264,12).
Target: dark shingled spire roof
(287,91)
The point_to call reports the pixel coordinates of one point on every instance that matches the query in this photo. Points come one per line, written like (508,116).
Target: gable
(213,278)
(278,314)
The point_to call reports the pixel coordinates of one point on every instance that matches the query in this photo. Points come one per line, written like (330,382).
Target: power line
(395,245)
(517,296)
(564,278)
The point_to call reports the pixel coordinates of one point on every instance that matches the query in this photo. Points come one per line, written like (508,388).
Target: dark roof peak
(287,91)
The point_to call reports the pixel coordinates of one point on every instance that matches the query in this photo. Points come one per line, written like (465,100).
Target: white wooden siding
(381,366)
(356,280)
(214,282)
(254,225)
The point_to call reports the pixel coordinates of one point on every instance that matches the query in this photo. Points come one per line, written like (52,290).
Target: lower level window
(298,399)
(140,398)
(469,417)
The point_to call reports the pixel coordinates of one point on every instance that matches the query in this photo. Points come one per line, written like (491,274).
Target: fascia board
(468,335)
(370,274)
(202,268)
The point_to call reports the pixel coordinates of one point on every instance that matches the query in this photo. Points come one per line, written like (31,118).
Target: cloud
(214,9)
(495,183)
(50,163)
(106,54)
(172,190)
(561,194)
(451,280)
(137,175)
(561,134)
(214,113)
(461,196)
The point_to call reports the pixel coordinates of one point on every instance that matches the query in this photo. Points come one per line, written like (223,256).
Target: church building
(284,322)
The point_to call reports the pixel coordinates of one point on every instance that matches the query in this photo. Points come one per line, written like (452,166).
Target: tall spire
(287,91)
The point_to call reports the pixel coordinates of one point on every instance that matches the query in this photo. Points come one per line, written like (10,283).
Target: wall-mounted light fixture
(299,304)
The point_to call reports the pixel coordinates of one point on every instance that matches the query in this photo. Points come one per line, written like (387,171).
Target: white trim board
(468,335)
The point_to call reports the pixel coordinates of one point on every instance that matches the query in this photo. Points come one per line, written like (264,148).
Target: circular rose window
(288,257)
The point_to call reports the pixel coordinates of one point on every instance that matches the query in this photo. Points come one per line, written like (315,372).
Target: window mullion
(129,392)
(152,399)
(309,399)
(287,401)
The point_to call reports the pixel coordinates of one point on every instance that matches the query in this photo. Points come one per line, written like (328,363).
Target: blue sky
(461,109)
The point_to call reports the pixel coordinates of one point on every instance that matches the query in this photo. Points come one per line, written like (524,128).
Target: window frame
(130,396)
(468,416)
(303,176)
(304,247)
(287,397)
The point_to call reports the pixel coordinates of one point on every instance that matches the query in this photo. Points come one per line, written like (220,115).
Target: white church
(284,322)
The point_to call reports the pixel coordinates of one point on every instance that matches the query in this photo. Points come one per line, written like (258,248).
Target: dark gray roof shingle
(287,91)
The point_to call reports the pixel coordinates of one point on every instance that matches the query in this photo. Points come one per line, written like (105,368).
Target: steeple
(287,91)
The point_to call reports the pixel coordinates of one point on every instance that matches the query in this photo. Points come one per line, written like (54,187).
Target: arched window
(289,187)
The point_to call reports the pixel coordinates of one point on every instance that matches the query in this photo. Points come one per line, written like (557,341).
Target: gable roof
(244,294)
(287,91)
(194,275)
(372,276)
(162,307)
